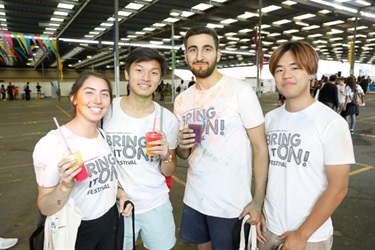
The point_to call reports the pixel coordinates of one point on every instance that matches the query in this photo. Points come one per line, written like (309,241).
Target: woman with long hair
(350,108)
(56,173)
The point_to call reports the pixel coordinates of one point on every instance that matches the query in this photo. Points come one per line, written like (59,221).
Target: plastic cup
(83,175)
(198,129)
(151,136)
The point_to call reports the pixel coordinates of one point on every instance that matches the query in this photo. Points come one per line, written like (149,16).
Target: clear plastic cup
(198,129)
(151,136)
(83,175)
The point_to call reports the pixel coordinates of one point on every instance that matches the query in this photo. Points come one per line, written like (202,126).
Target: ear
(185,57)
(72,100)
(218,55)
(126,75)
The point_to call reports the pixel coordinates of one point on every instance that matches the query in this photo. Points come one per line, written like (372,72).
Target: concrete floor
(23,123)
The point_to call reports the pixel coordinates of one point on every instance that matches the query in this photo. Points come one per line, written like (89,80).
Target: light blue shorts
(156,228)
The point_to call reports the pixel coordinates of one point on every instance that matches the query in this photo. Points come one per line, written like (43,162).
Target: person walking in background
(341,94)
(351,107)
(126,126)
(10,91)
(329,94)
(364,84)
(6,243)
(191,83)
(15,91)
(3,92)
(27,91)
(91,96)
(162,90)
(38,90)
(218,187)
(310,151)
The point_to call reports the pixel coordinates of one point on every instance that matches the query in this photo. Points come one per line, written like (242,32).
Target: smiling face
(201,55)
(291,79)
(92,100)
(144,77)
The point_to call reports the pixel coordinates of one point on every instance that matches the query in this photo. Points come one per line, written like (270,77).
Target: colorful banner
(24,50)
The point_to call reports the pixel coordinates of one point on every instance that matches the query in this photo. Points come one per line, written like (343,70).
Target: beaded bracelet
(169,159)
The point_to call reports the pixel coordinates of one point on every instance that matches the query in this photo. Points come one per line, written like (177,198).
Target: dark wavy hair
(77,85)
(351,82)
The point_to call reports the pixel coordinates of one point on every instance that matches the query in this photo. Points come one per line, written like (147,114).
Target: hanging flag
(8,38)
(60,66)
(22,53)
(351,52)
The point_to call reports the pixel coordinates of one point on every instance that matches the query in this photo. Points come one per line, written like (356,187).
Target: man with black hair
(329,93)
(218,187)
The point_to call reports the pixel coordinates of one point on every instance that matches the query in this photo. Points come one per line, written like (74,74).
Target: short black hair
(333,78)
(144,54)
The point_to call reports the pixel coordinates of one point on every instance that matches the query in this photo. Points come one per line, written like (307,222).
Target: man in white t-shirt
(131,117)
(218,187)
(310,151)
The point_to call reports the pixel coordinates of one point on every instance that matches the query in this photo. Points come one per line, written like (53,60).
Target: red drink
(151,136)
(81,176)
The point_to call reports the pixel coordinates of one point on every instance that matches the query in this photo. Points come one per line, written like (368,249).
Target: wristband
(168,160)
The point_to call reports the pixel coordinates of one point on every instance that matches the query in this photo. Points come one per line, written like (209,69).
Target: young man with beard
(218,188)
(310,150)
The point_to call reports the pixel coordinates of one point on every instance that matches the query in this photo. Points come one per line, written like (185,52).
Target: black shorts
(100,233)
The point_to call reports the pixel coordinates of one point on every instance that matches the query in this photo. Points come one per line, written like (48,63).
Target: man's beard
(200,73)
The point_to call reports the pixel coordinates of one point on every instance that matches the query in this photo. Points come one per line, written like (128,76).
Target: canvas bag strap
(252,238)
(161,118)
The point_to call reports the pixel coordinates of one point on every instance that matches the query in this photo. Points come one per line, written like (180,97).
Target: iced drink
(81,176)
(151,136)
(198,129)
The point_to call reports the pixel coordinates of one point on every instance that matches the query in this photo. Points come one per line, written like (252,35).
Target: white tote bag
(252,238)
(61,228)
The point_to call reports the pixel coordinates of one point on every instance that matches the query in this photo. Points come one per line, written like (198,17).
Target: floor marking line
(361,170)
(62,110)
(179,181)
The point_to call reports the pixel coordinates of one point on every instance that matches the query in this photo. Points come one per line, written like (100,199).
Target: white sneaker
(6,243)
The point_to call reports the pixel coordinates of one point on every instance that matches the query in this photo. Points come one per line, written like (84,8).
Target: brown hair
(350,81)
(306,56)
(81,80)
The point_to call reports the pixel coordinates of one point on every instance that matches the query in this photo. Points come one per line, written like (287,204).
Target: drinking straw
(62,135)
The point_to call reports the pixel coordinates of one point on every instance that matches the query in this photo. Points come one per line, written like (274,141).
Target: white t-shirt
(143,180)
(350,93)
(300,144)
(93,196)
(341,92)
(219,176)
